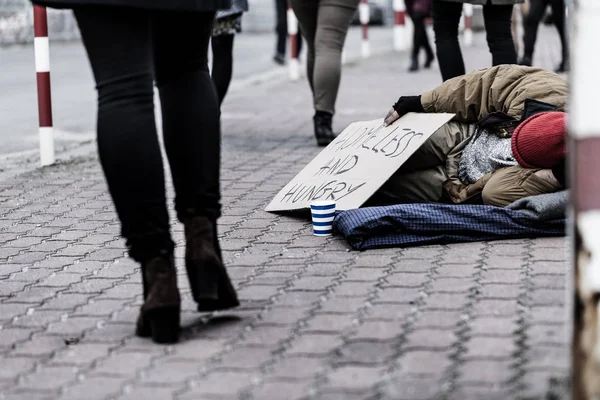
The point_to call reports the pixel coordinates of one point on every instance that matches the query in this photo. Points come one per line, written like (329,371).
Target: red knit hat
(539,141)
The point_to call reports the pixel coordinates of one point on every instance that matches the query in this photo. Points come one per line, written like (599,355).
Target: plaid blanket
(407,225)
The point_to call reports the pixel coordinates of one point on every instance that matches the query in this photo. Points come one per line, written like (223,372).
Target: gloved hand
(404,105)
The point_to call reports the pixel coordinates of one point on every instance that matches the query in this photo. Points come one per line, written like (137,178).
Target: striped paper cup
(323,213)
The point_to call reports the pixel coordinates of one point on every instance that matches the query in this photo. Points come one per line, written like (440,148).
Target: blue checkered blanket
(407,225)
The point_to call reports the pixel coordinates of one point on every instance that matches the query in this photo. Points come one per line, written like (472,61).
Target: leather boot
(323,130)
(526,61)
(414,64)
(429,61)
(211,287)
(143,328)
(160,314)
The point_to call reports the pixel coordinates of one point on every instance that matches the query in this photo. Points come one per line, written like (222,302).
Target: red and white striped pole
(363,13)
(42,69)
(399,25)
(292,25)
(468,32)
(584,166)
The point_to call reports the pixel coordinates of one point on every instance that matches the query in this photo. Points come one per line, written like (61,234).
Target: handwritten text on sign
(358,162)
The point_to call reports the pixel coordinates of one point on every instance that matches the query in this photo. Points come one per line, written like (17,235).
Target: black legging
(446,18)
(532,22)
(420,39)
(128,49)
(222,66)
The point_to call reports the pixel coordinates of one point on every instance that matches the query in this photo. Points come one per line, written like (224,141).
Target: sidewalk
(468,321)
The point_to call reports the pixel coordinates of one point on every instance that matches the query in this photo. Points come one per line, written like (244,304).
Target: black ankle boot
(323,130)
(414,64)
(160,314)
(562,67)
(526,61)
(211,287)
(429,61)
(143,328)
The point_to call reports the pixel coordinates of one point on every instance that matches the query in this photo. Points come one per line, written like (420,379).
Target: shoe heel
(164,323)
(203,281)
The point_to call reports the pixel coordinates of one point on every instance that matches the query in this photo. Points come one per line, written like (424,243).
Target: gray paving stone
(12,367)
(34,295)
(493,326)
(491,348)
(93,388)
(430,339)
(275,389)
(475,372)
(354,377)
(411,388)
(49,378)
(329,323)
(80,354)
(123,363)
(425,361)
(314,344)
(213,385)
(297,368)
(364,353)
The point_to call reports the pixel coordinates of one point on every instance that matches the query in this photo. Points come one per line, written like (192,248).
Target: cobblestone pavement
(467,321)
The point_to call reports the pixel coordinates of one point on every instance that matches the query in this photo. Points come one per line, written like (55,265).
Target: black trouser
(281,7)
(420,39)
(128,49)
(532,22)
(222,67)
(446,17)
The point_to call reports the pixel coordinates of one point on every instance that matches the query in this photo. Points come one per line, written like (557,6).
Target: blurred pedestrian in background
(281,28)
(518,20)
(532,22)
(324,24)
(227,24)
(497,19)
(419,10)
(130,44)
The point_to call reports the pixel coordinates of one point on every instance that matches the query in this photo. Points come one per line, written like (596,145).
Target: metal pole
(363,13)
(584,166)
(468,32)
(292,25)
(400,40)
(42,68)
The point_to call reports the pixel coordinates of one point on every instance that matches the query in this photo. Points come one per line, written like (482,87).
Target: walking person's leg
(497,19)
(222,67)
(281,30)
(558,11)
(446,17)
(416,45)
(332,26)
(532,22)
(191,129)
(306,11)
(420,41)
(119,46)
(426,45)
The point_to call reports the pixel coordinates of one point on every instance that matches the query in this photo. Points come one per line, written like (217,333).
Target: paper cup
(323,213)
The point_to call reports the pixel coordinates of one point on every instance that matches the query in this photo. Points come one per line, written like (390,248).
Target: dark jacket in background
(422,7)
(484,2)
(172,5)
(237,7)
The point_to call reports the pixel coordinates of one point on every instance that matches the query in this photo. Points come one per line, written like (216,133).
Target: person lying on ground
(505,142)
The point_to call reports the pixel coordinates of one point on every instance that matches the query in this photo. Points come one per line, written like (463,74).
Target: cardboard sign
(358,162)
